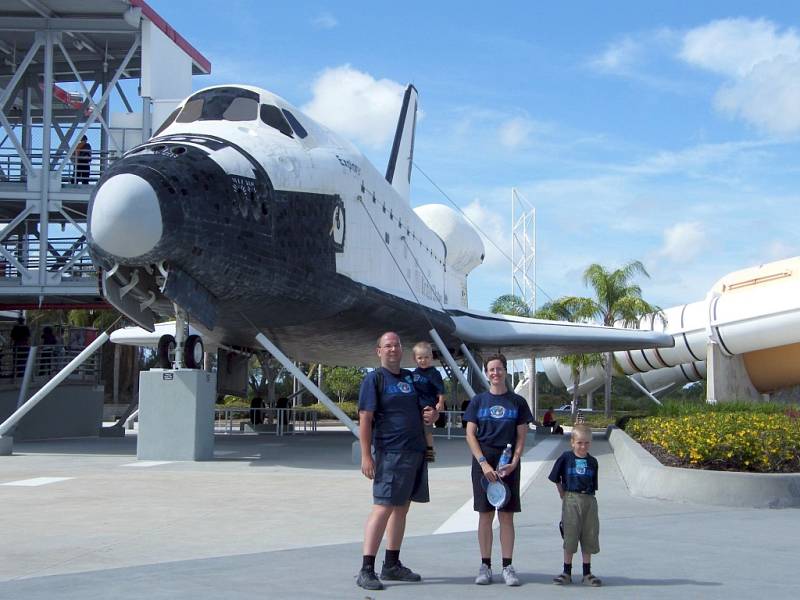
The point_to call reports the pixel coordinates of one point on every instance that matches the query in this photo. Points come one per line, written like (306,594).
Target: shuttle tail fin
(398,172)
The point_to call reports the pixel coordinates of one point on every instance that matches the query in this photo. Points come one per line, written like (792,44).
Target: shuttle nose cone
(126,218)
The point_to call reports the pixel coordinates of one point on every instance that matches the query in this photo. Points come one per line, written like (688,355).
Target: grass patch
(757,437)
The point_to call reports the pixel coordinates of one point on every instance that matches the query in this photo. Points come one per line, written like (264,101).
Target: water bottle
(505,458)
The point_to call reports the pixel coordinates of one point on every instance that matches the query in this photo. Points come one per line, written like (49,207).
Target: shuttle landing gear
(180,351)
(166,351)
(193,352)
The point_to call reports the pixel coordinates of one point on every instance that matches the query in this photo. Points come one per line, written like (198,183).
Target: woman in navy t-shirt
(494,419)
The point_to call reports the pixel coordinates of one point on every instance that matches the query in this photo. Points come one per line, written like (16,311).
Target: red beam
(176,37)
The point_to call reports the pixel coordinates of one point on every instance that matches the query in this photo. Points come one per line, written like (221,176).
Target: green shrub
(349,408)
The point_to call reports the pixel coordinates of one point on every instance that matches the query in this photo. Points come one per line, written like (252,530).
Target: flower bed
(724,440)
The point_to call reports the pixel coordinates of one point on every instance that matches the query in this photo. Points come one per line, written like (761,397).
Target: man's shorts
(400,477)
(581,523)
(479,500)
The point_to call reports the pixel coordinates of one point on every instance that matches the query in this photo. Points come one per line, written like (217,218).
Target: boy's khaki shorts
(581,523)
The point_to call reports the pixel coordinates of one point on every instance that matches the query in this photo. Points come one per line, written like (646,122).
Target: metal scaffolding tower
(61,64)
(523,249)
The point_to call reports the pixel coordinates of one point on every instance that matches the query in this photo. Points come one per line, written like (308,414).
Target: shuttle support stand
(176,414)
(726,378)
(451,362)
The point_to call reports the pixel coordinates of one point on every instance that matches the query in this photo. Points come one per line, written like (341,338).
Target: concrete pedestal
(726,378)
(6,445)
(176,415)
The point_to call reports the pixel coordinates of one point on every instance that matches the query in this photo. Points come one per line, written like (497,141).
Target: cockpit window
(274,118)
(191,111)
(298,129)
(241,109)
(221,104)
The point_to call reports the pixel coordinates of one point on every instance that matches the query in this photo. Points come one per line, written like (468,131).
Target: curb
(648,478)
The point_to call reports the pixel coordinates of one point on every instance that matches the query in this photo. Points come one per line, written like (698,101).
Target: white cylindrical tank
(754,312)
(465,249)
(661,381)
(560,375)
(550,366)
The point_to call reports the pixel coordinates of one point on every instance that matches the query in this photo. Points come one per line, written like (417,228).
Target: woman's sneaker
(510,576)
(484,575)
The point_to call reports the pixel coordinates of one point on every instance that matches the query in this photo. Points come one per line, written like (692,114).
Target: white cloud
(356,105)
(494,227)
(761,66)
(734,47)
(324,21)
(778,250)
(683,241)
(619,57)
(515,132)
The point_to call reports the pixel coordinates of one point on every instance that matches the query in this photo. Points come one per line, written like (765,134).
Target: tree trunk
(609,358)
(576,380)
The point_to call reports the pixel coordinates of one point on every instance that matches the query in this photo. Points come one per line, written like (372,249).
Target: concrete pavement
(283,518)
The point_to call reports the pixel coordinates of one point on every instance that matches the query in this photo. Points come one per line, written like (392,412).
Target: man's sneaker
(398,572)
(484,575)
(510,576)
(368,580)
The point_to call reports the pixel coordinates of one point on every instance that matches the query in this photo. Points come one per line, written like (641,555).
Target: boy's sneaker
(563,579)
(368,580)
(592,580)
(510,576)
(484,575)
(398,572)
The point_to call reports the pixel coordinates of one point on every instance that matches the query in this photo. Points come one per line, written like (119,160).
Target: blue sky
(667,133)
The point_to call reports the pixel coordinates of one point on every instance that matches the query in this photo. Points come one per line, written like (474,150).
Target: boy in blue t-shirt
(575,476)
(430,388)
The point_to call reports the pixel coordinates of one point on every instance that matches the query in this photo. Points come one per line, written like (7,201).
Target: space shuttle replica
(243,216)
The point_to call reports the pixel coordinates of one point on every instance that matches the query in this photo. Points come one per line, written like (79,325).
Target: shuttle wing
(520,337)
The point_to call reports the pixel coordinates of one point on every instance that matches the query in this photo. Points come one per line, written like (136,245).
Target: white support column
(644,390)
(307,383)
(30,365)
(47,124)
(533,384)
(451,363)
(474,366)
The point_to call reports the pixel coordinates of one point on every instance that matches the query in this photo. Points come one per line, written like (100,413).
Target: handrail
(282,417)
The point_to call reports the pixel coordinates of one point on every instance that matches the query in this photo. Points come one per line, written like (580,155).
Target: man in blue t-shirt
(391,419)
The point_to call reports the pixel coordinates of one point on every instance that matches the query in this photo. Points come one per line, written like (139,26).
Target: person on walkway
(391,419)
(21,341)
(49,342)
(575,476)
(494,419)
(83,160)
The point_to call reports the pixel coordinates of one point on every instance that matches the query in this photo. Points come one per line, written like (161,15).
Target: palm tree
(511,304)
(573,309)
(576,364)
(618,299)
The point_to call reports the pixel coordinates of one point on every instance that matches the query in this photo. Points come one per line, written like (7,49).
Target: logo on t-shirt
(404,387)
(580,466)
(497,412)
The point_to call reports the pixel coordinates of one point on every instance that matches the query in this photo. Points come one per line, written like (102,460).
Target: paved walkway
(283,518)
